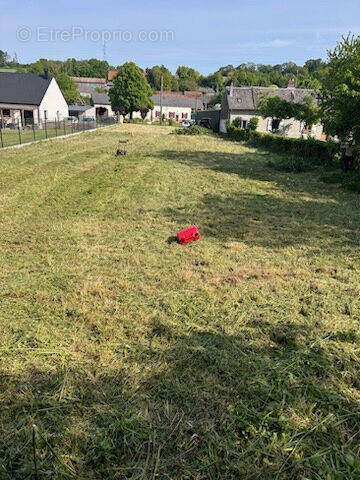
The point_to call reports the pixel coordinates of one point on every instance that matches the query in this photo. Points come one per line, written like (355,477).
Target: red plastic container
(187,235)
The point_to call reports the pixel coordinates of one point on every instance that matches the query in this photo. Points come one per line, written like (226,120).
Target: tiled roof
(100,99)
(111,75)
(178,101)
(247,98)
(89,80)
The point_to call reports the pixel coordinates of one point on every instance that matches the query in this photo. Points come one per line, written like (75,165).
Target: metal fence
(16,134)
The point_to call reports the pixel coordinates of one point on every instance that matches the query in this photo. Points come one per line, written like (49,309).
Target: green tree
(340,92)
(4,58)
(131,92)
(307,111)
(188,78)
(215,81)
(68,88)
(154,74)
(277,109)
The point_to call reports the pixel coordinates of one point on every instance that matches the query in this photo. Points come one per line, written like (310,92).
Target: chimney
(291,83)
(46,73)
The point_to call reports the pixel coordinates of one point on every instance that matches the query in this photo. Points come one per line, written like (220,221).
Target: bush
(237,122)
(193,130)
(236,133)
(306,148)
(172,122)
(253,124)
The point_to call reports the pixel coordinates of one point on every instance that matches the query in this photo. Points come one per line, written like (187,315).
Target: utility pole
(161,98)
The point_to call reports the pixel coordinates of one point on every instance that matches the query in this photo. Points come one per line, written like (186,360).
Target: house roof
(100,99)
(85,89)
(23,88)
(79,108)
(247,98)
(111,75)
(89,80)
(177,101)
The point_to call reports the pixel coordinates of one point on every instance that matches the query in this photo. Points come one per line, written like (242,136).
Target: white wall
(151,116)
(290,128)
(107,107)
(167,110)
(54,103)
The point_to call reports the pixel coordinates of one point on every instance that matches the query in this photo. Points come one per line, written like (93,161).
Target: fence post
(1,138)
(64,127)
(55,127)
(19,132)
(46,135)
(33,129)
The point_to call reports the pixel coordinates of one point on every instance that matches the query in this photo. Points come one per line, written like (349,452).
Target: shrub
(236,133)
(193,130)
(253,124)
(172,122)
(308,149)
(237,122)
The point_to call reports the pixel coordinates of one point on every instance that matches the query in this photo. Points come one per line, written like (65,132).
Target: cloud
(277,43)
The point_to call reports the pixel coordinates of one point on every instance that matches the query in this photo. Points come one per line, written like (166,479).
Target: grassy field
(125,355)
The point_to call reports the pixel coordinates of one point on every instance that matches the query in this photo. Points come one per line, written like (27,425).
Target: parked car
(88,119)
(187,123)
(72,119)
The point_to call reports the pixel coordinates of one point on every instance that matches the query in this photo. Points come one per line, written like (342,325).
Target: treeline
(309,75)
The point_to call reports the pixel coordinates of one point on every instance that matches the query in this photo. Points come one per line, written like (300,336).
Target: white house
(100,108)
(243,102)
(175,107)
(29,98)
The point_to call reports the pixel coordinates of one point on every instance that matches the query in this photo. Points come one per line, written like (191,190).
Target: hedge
(307,148)
(237,133)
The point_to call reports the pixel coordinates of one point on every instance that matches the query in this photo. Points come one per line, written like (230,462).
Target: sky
(203,34)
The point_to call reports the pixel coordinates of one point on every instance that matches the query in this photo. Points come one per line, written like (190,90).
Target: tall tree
(340,92)
(4,58)
(188,78)
(154,74)
(68,88)
(307,111)
(131,92)
(277,109)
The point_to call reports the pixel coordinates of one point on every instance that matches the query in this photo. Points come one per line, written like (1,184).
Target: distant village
(32,99)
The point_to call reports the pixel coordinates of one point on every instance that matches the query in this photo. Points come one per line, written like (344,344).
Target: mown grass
(236,357)
(12,137)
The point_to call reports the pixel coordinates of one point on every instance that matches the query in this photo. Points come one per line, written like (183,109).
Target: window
(171,114)
(184,116)
(244,123)
(157,114)
(6,112)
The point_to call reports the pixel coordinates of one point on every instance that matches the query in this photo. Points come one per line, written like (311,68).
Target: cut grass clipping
(235,357)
